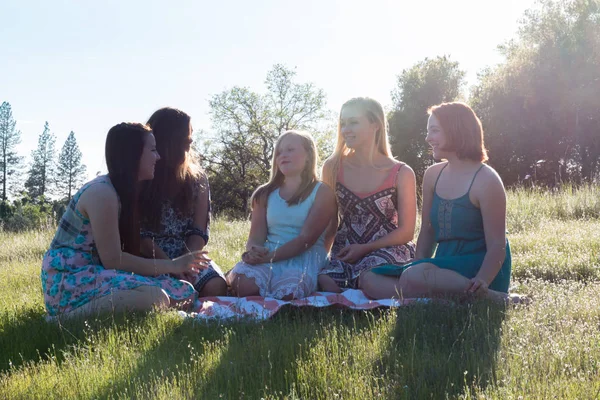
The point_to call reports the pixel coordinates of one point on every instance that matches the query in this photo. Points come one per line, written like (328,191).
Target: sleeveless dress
(365,218)
(72,272)
(296,275)
(459,233)
(175,227)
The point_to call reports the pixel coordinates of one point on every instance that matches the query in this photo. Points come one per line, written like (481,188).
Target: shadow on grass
(440,350)
(254,360)
(436,351)
(257,366)
(26,337)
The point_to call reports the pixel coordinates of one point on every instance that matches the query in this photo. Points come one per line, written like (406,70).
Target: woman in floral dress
(93,264)
(175,205)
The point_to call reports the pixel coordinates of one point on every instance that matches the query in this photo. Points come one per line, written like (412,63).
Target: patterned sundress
(176,227)
(72,272)
(366,217)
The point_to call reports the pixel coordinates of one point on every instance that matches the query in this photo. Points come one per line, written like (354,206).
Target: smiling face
(291,156)
(436,138)
(355,127)
(149,158)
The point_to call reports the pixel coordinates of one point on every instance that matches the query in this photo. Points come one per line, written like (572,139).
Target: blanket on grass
(261,308)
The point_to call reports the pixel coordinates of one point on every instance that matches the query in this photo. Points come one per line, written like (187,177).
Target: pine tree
(42,169)
(10,137)
(70,172)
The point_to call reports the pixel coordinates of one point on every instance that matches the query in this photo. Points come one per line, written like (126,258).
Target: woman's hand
(352,253)
(477,286)
(256,255)
(190,262)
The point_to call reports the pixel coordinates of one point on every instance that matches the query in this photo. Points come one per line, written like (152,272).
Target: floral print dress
(72,272)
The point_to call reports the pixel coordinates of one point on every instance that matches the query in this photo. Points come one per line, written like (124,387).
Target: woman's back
(74,229)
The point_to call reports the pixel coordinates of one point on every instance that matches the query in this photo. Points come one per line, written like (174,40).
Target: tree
(540,107)
(425,84)
(42,169)
(70,172)
(10,137)
(246,125)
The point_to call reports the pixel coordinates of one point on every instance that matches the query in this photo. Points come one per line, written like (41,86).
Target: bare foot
(516,298)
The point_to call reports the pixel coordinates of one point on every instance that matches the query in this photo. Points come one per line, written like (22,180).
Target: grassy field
(549,349)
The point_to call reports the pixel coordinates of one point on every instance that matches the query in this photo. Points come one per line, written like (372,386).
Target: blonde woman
(375,195)
(290,214)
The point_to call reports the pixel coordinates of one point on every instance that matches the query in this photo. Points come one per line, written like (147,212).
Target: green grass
(549,349)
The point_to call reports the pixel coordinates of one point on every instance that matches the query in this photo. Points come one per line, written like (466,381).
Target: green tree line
(540,110)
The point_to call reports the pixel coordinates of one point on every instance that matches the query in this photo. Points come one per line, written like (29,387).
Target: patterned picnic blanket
(261,308)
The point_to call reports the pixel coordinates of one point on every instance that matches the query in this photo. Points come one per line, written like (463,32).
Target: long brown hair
(176,172)
(374,112)
(310,175)
(123,151)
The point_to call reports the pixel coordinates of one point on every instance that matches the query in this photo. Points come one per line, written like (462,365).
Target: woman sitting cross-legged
(376,198)
(93,264)
(464,213)
(286,246)
(175,205)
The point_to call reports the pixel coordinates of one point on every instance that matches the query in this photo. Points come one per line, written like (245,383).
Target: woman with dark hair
(94,262)
(175,205)
(464,219)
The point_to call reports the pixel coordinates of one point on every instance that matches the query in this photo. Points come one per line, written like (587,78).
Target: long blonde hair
(374,112)
(310,175)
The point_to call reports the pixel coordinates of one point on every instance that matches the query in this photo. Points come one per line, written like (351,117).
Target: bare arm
(201,217)
(150,249)
(333,225)
(492,203)
(426,240)
(317,221)
(258,225)
(407,212)
(100,204)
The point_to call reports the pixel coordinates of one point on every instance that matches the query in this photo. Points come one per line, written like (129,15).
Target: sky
(85,66)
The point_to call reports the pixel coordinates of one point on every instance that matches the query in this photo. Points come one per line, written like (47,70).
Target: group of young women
(134,239)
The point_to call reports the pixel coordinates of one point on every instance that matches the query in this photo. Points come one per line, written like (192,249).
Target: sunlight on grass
(549,349)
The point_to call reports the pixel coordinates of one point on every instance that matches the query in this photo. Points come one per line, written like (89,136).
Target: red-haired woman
(464,213)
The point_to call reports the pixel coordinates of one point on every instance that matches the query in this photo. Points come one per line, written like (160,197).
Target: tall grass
(528,207)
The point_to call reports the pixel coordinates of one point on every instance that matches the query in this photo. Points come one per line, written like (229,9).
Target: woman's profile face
(356,128)
(436,138)
(149,158)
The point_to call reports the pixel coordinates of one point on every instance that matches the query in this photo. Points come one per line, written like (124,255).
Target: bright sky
(87,65)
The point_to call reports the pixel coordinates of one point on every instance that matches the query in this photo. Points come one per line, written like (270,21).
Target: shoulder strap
(474,176)
(394,174)
(340,174)
(438,177)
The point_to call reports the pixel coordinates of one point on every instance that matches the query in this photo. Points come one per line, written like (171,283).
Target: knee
(243,286)
(327,284)
(214,287)
(365,283)
(419,276)
(153,297)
